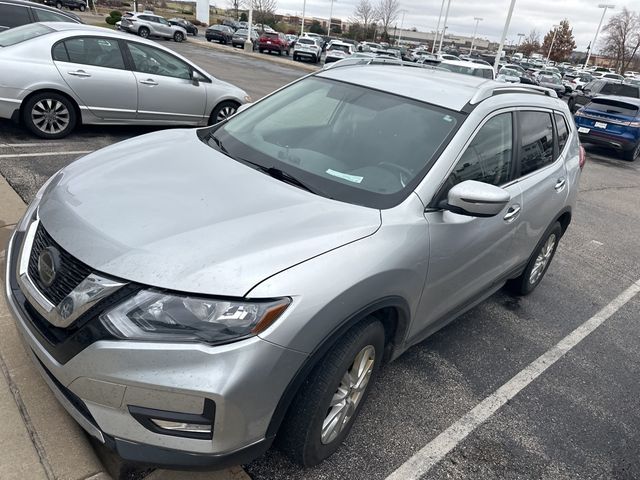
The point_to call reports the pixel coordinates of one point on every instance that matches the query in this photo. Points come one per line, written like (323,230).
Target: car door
(164,27)
(468,255)
(542,176)
(166,91)
(94,68)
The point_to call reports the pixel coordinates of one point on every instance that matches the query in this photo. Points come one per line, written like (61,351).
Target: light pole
(504,35)
(605,6)
(248,43)
(330,17)
(435,39)
(304,8)
(520,35)
(401,24)
(475,30)
(444,25)
(553,40)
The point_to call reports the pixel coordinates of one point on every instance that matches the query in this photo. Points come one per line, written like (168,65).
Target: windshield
(22,34)
(613,106)
(621,89)
(550,79)
(344,141)
(470,70)
(342,48)
(509,72)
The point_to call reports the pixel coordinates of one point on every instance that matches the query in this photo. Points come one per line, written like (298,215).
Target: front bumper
(97,386)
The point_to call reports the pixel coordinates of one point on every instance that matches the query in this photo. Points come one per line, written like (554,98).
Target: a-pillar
(202,11)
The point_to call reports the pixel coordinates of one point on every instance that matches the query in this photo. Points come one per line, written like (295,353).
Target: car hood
(168,211)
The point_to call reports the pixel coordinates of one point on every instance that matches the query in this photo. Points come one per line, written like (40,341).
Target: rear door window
(13,15)
(49,16)
(100,52)
(536,134)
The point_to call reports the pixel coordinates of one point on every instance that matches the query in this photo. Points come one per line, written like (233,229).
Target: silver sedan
(58,75)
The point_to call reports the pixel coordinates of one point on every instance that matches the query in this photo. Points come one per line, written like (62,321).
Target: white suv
(147,24)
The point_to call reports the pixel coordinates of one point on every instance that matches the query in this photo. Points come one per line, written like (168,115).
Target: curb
(40,440)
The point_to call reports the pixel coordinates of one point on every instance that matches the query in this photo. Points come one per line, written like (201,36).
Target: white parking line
(32,144)
(44,154)
(437,449)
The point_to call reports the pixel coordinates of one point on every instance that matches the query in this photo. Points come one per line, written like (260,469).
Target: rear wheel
(49,115)
(178,37)
(59,6)
(82,8)
(632,153)
(143,32)
(323,411)
(538,263)
(223,111)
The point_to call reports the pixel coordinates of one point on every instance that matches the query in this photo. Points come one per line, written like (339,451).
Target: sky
(583,15)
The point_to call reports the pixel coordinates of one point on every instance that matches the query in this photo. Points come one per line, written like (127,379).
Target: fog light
(178,424)
(182,427)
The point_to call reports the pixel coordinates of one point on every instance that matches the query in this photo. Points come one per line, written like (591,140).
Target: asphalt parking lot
(578,419)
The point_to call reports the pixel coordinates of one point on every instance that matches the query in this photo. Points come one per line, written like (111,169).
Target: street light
(475,30)
(504,35)
(520,35)
(435,39)
(401,24)
(248,43)
(605,6)
(444,25)
(553,40)
(304,7)
(330,17)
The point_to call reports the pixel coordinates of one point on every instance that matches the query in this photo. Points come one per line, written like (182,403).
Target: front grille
(69,275)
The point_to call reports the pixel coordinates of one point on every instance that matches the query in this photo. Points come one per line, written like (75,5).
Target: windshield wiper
(285,177)
(218,144)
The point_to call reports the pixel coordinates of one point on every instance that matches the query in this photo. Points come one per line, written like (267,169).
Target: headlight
(152,315)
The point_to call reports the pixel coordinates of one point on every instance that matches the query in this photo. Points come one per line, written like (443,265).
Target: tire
(280,52)
(82,8)
(261,50)
(36,108)
(287,52)
(301,436)
(59,6)
(571,103)
(195,33)
(143,32)
(544,252)
(178,37)
(222,111)
(632,153)
(295,57)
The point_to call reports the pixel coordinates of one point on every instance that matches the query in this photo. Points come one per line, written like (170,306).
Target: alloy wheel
(50,116)
(225,112)
(345,401)
(542,259)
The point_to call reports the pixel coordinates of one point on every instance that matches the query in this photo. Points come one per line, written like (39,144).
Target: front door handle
(560,184)
(512,213)
(149,81)
(79,73)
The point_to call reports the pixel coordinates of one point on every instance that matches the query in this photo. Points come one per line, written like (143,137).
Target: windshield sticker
(345,176)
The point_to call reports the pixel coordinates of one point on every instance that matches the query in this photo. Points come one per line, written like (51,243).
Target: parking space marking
(43,154)
(429,455)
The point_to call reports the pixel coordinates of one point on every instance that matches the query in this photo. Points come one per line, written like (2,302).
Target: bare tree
(264,11)
(387,12)
(364,14)
(622,39)
(530,44)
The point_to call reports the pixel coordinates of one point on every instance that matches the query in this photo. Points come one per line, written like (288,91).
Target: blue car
(611,121)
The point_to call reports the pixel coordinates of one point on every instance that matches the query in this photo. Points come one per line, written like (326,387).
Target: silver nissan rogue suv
(191,295)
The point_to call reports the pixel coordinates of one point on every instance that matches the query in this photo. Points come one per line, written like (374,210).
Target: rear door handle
(79,73)
(560,184)
(512,213)
(149,81)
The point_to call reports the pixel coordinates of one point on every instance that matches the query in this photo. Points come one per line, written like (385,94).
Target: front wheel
(178,37)
(49,115)
(538,263)
(223,111)
(82,8)
(324,410)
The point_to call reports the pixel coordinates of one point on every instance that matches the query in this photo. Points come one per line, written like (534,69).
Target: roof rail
(487,91)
